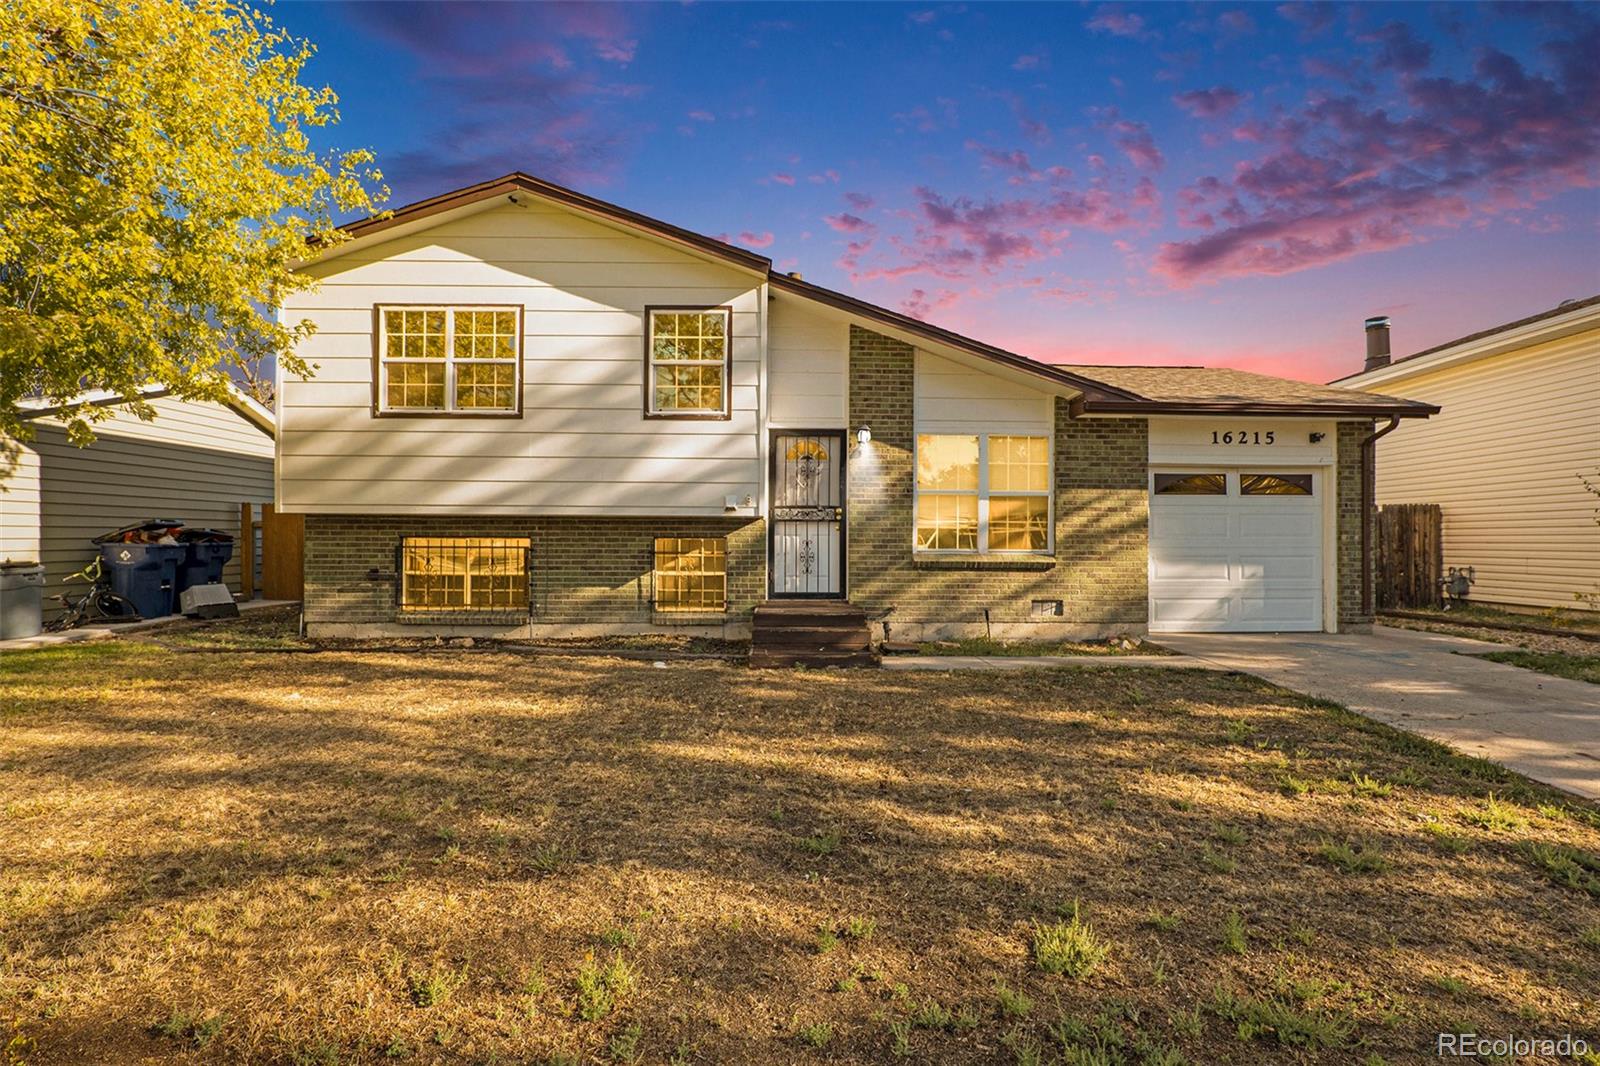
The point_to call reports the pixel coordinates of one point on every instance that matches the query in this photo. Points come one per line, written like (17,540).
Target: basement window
(464,574)
(691,574)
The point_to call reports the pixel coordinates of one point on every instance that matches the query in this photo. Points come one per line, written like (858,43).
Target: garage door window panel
(1191,485)
(1275,484)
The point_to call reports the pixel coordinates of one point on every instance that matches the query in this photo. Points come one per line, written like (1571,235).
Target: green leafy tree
(157,185)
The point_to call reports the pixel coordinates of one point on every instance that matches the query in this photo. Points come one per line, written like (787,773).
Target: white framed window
(465,574)
(448,360)
(688,362)
(983,493)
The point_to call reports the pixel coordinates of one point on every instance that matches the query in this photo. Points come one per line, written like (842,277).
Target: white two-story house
(537,413)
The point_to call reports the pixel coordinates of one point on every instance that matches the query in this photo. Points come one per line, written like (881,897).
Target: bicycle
(98,604)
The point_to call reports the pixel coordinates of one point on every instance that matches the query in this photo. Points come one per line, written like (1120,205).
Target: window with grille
(690,356)
(987,493)
(486,574)
(449,360)
(691,573)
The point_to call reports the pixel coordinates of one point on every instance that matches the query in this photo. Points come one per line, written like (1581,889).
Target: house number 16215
(1244,436)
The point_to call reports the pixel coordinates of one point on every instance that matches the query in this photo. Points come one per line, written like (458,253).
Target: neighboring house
(1521,422)
(538,413)
(196,461)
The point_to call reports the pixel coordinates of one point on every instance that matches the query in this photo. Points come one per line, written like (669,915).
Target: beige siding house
(536,413)
(1520,422)
(196,461)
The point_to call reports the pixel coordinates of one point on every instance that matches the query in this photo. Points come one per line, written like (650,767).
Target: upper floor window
(983,493)
(689,352)
(449,360)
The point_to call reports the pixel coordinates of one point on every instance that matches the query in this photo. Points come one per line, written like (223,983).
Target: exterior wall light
(864,435)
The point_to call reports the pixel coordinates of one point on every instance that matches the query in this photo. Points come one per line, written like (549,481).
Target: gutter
(1369,505)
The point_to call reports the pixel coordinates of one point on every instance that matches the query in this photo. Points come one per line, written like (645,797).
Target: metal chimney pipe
(1377,343)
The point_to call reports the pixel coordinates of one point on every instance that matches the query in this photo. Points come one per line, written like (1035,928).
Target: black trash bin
(206,552)
(146,575)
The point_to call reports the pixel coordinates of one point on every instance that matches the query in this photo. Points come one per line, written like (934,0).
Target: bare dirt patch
(486,857)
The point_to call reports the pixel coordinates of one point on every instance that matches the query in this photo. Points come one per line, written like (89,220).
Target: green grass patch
(1070,947)
(988,646)
(1555,663)
(1277,1018)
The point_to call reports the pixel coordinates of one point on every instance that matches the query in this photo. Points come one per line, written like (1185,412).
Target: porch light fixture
(864,435)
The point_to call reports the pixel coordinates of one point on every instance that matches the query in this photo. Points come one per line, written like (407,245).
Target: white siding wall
(1502,460)
(810,359)
(951,398)
(19,504)
(582,444)
(196,462)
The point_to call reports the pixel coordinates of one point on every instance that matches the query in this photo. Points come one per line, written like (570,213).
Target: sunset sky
(1234,185)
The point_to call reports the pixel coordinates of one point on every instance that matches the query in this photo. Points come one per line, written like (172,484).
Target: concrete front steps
(810,633)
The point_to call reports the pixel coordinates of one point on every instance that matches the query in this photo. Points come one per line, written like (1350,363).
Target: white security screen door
(1235,550)
(807,545)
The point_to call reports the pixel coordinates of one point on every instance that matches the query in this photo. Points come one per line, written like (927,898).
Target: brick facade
(1351,434)
(590,575)
(1099,568)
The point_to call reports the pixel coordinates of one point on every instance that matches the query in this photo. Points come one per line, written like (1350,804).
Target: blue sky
(1227,184)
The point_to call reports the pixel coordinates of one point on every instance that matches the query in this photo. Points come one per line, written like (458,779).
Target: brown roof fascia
(1399,409)
(519,182)
(850,304)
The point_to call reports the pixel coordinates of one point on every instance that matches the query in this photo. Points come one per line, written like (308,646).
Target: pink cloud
(1030,61)
(1340,178)
(702,116)
(859,200)
(920,304)
(848,223)
(827,176)
(781,179)
(756,240)
(1137,144)
(1112,19)
(1209,103)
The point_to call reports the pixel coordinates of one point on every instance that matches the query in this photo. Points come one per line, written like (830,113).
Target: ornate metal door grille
(808,514)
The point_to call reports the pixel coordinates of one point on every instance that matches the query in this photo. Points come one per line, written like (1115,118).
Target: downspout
(1369,505)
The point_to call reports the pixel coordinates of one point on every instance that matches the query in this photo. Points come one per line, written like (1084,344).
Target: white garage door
(1235,550)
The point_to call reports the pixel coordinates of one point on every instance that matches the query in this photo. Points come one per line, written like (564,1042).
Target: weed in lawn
(1012,1003)
(1217,862)
(1455,986)
(397,1048)
(823,843)
(549,857)
(1275,1017)
(1029,1052)
(827,939)
(1238,731)
(1567,867)
(1302,933)
(1371,787)
(1229,834)
(179,1026)
(1291,785)
(624,1044)
(1070,947)
(931,1014)
(1353,858)
(900,1039)
(1590,937)
(1235,937)
(619,937)
(433,986)
(855,928)
(564,1057)
(815,1034)
(1446,841)
(602,986)
(1494,816)
(1189,1024)
(1161,923)
(848,983)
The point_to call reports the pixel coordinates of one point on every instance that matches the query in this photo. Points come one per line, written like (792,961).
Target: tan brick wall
(592,571)
(1351,434)
(1101,512)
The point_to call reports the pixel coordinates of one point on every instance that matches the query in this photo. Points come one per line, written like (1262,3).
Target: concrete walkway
(1040,662)
(107,632)
(1545,727)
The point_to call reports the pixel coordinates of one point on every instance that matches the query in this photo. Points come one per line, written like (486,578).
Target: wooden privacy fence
(1410,556)
(283,550)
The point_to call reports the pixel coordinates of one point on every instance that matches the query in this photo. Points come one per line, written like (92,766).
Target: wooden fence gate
(283,551)
(1410,558)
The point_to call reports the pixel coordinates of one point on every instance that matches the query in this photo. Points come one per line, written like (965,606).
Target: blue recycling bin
(146,575)
(203,561)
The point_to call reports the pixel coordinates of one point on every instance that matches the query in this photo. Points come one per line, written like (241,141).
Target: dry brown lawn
(480,856)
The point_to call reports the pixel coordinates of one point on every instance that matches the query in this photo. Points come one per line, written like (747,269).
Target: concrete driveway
(1545,727)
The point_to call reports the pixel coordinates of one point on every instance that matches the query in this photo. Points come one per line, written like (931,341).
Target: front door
(806,545)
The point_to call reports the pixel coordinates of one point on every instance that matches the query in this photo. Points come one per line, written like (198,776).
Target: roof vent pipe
(1377,343)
